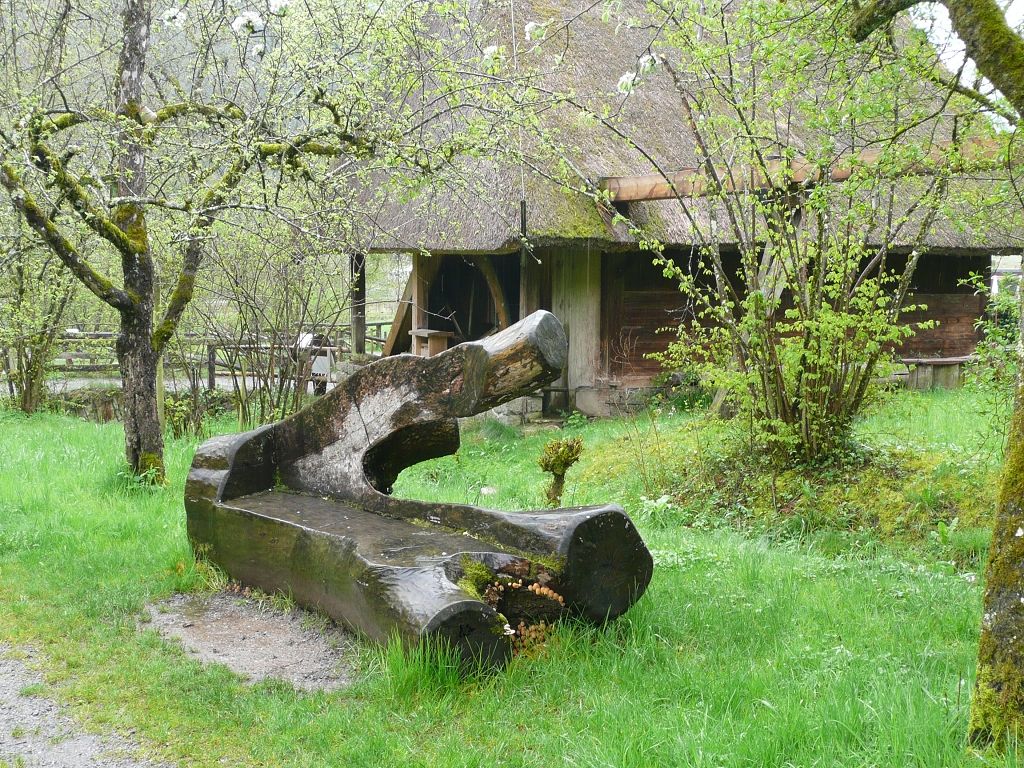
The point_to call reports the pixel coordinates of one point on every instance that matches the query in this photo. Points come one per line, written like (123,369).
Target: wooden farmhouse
(471,274)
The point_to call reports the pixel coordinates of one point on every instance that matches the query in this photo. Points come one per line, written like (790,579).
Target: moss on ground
(901,493)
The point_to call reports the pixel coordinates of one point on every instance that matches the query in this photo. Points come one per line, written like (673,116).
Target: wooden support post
(211,367)
(402,324)
(486,266)
(424,269)
(357,263)
(421,278)
(529,284)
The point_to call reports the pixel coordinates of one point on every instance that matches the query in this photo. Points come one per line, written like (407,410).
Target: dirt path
(35,734)
(257,641)
(248,636)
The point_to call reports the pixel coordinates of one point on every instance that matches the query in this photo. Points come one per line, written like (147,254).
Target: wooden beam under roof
(782,173)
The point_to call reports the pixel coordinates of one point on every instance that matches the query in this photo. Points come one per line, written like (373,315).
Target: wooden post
(402,324)
(420,290)
(486,267)
(357,263)
(576,301)
(211,367)
(529,284)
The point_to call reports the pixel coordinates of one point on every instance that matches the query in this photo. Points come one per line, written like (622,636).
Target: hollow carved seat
(304,506)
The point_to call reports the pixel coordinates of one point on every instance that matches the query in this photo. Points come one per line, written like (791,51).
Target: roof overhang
(784,173)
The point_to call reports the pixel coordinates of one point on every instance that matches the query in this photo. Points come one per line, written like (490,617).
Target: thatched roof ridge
(477,209)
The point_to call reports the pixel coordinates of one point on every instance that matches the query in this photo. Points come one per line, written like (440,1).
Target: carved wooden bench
(304,506)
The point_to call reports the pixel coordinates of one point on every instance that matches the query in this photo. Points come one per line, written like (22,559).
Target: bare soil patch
(256,640)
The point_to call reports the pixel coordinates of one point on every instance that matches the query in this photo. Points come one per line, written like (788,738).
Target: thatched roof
(476,208)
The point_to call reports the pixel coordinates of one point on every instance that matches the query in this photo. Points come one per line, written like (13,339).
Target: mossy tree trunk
(997,709)
(144,443)
(136,355)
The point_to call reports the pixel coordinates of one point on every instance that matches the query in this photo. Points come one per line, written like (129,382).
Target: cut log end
(474,631)
(607,566)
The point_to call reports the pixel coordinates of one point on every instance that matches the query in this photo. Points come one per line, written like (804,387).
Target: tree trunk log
(303,505)
(144,443)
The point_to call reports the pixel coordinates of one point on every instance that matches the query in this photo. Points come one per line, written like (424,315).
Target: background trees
(35,292)
(159,130)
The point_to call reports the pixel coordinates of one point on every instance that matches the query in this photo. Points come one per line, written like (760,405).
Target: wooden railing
(94,351)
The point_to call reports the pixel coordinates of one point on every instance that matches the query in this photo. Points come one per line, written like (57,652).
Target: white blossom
(1020,532)
(492,57)
(248,22)
(279,6)
(176,17)
(646,63)
(626,83)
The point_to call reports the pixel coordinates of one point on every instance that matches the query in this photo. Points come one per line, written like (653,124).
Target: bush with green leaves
(997,362)
(808,215)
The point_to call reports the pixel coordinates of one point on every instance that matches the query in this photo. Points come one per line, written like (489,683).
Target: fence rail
(94,351)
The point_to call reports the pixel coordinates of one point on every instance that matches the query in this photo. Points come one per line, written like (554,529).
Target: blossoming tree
(144,127)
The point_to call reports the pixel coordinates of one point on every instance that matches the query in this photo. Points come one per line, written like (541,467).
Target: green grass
(746,651)
(921,472)
(966,422)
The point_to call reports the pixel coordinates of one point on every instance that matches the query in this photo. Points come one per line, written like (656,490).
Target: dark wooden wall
(956,307)
(637,300)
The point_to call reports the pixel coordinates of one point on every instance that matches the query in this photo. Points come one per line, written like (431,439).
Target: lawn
(757,644)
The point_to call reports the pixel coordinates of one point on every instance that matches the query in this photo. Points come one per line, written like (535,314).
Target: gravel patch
(256,641)
(34,733)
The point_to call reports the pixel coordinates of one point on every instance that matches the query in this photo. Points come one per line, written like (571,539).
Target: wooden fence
(94,351)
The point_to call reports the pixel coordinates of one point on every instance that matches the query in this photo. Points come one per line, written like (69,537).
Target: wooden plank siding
(574,295)
(638,300)
(938,285)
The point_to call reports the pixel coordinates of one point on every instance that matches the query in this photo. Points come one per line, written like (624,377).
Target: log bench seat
(304,506)
(377,539)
